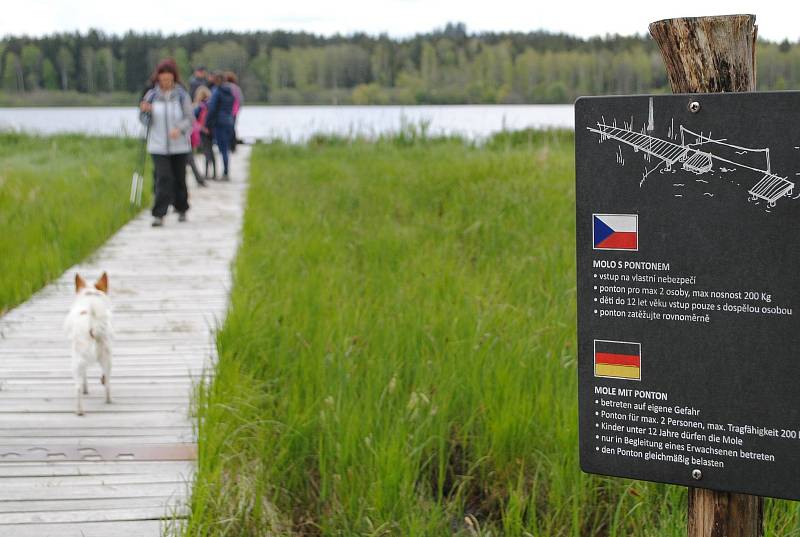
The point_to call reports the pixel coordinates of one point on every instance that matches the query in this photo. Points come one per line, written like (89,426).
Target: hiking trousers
(170,173)
(223,136)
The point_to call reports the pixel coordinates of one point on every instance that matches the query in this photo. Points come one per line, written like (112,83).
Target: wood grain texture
(708,54)
(713,55)
(124,468)
(724,514)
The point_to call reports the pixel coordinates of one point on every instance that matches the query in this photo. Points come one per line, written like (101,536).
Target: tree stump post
(713,55)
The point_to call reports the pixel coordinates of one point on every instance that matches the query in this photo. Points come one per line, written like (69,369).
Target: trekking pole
(137,181)
(143,160)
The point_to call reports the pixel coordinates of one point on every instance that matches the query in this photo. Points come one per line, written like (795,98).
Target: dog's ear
(79,283)
(102,283)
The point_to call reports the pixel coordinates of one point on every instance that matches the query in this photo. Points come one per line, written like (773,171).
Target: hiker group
(183,120)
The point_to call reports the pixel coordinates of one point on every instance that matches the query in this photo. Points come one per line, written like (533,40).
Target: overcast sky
(398,18)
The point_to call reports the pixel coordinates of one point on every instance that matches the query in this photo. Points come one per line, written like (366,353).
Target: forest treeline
(446,66)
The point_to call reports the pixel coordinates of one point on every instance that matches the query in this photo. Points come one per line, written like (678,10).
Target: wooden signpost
(687,207)
(713,55)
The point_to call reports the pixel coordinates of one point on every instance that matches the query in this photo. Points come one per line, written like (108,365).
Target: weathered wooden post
(712,55)
(708,54)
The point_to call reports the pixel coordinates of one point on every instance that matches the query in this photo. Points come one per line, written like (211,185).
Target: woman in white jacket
(167,110)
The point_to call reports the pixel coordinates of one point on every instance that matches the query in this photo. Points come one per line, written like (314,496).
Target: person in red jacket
(238,101)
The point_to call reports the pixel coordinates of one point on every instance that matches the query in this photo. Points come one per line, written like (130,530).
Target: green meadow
(399,357)
(61,197)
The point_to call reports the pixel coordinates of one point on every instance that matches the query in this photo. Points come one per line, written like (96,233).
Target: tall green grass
(60,198)
(399,358)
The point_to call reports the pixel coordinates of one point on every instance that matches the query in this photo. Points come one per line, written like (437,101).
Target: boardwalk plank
(107,513)
(51,506)
(140,528)
(18,469)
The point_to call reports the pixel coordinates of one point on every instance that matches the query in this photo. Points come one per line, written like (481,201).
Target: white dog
(88,325)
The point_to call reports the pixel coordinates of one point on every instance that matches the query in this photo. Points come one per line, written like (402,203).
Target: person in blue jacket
(220,118)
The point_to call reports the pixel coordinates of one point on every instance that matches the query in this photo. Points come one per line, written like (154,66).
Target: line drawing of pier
(770,187)
(695,157)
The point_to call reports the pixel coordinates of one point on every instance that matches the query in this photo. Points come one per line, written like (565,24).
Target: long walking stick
(137,181)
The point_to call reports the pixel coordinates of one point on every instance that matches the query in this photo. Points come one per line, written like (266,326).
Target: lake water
(297,123)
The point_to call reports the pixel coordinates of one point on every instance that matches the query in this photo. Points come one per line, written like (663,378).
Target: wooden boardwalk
(121,468)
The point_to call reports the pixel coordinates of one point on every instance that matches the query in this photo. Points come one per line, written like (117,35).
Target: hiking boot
(158,221)
(182,217)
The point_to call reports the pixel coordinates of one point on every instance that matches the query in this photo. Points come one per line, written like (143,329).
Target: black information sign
(688,251)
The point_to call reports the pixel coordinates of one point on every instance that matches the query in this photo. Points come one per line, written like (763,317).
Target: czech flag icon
(615,231)
(617,359)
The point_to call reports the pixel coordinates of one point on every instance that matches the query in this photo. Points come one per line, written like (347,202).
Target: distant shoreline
(4,106)
(74,99)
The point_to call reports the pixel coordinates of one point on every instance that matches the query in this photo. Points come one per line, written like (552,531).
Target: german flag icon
(617,359)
